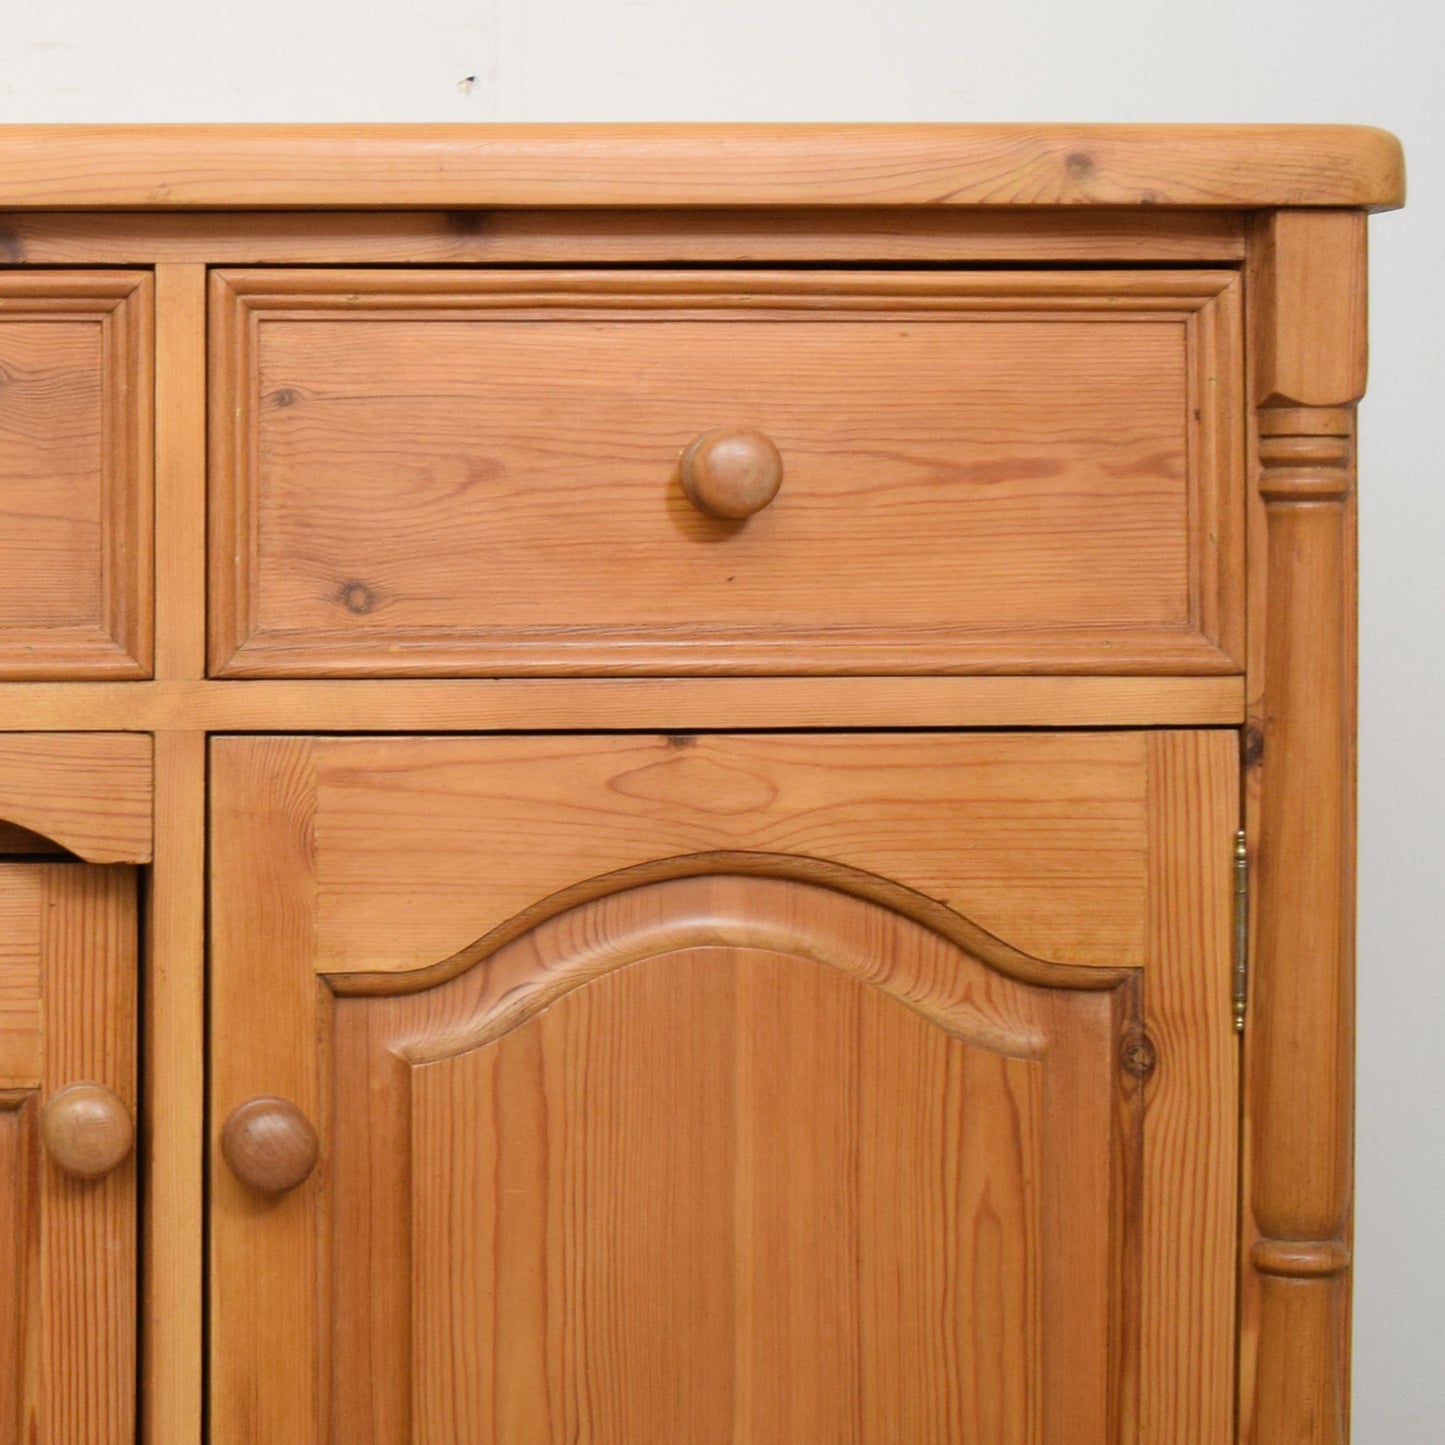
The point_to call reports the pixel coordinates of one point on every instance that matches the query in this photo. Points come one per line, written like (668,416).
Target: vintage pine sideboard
(678,784)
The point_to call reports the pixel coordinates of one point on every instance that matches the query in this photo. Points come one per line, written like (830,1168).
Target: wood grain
(871,1140)
(1301,1073)
(173,1123)
(68,1256)
(267,1352)
(269,1144)
(87,1130)
(19,1257)
(91,1032)
(22,972)
(521,433)
(743,1261)
(1307,353)
(1300,1066)
(75,474)
(1039,839)
(672,704)
(730,475)
(89,792)
(278,799)
(657,236)
(180,471)
(1188,1306)
(270,166)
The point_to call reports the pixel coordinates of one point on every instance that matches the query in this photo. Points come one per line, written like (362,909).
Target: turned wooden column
(1307,305)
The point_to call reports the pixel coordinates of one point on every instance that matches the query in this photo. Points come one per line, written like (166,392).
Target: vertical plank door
(67,1170)
(724,1089)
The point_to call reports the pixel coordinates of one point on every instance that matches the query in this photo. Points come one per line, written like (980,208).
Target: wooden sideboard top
(407,166)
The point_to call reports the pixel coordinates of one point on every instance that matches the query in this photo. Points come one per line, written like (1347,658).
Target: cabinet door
(767,1089)
(67,1178)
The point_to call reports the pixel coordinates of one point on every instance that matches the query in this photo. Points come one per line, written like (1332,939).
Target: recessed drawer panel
(75,483)
(482,473)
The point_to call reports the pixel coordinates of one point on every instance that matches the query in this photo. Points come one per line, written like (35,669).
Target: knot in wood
(1137,1056)
(358,597)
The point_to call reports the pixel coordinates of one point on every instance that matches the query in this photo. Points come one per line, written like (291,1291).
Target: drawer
(75,474)
(483,472)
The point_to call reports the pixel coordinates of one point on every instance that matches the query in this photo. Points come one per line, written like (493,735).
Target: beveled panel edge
(1107,291)
(129,540)
(1206,301)
(666,704)
(172,167)
(580,651)
(231,528)
(119,643)
(54,292)
(58,654)
(1216,428)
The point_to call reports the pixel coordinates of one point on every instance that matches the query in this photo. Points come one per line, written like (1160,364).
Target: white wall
(1147,60)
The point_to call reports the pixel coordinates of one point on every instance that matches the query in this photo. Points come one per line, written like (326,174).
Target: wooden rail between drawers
(656,704)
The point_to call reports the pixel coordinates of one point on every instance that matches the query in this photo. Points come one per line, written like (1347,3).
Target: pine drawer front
(475,473)
(75,478)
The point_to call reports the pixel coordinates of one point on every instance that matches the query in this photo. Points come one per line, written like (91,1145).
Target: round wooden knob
(87,1130)
(731,472)
(269,1144)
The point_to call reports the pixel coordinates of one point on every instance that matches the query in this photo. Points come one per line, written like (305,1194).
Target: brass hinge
(1240,992)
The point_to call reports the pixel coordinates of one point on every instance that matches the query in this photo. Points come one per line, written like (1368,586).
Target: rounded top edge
(173,167)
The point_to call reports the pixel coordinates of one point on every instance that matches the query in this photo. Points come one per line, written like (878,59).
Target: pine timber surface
(778,938)
(438,473)
(671,704)
(659,235)
(89,792)
(174,167)
(75,473)
(1223,1327)
(68,1014)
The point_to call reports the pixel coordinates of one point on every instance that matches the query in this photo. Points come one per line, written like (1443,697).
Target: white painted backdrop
(1058,60)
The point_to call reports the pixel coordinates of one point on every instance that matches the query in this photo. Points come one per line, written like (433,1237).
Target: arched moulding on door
(671,1075)
(938,917)
(800,908)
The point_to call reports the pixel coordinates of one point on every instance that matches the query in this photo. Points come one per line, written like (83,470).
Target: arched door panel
(733,1158)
